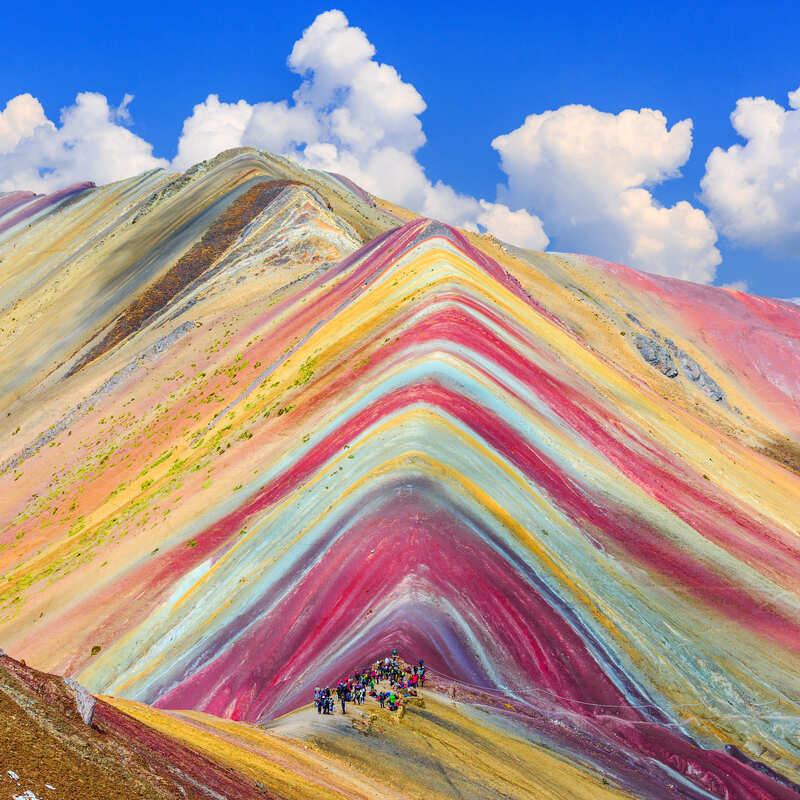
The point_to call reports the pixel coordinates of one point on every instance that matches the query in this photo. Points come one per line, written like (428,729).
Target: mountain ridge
(328,430)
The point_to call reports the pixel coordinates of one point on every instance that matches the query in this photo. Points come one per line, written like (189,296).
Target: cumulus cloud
(213,126)
(585,173)
(753,190)
(352,115)
(582,175)
(22,115)
(371,105)
(518,227)
(90,144)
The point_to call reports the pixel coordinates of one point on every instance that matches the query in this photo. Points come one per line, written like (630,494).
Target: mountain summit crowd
(403,682)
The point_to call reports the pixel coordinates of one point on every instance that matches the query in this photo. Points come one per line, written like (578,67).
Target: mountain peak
(259,427)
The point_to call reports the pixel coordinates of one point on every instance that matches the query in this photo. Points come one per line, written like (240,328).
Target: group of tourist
(403,682)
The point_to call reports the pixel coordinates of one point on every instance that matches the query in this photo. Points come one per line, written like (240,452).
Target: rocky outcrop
(57,741)
(84,700)
(663,357)
(695,373)
(656,354)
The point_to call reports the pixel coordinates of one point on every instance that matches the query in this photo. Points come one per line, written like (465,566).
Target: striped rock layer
(259,427)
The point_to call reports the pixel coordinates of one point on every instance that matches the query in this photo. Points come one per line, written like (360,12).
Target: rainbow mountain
(259,427)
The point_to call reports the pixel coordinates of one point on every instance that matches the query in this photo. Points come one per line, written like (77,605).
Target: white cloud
(213,127)
(22,115)
(90,144)
(280,126)
(352,115)
(372,105)
(753,190)
(123,112)
(585,172)
(519,227)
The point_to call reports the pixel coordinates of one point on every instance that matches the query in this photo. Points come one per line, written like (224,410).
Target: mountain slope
(259,427)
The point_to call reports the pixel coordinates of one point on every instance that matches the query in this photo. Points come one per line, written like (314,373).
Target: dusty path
(441,749)
(305,721)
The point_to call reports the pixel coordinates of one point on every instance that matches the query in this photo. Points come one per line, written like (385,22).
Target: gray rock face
(655,354)
(634,319)
(84,701)
(695,373)
(663,357)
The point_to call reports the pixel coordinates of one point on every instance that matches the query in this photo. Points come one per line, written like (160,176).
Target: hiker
(403,681)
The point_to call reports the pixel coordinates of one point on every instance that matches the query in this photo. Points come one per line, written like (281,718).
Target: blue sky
(481,69)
